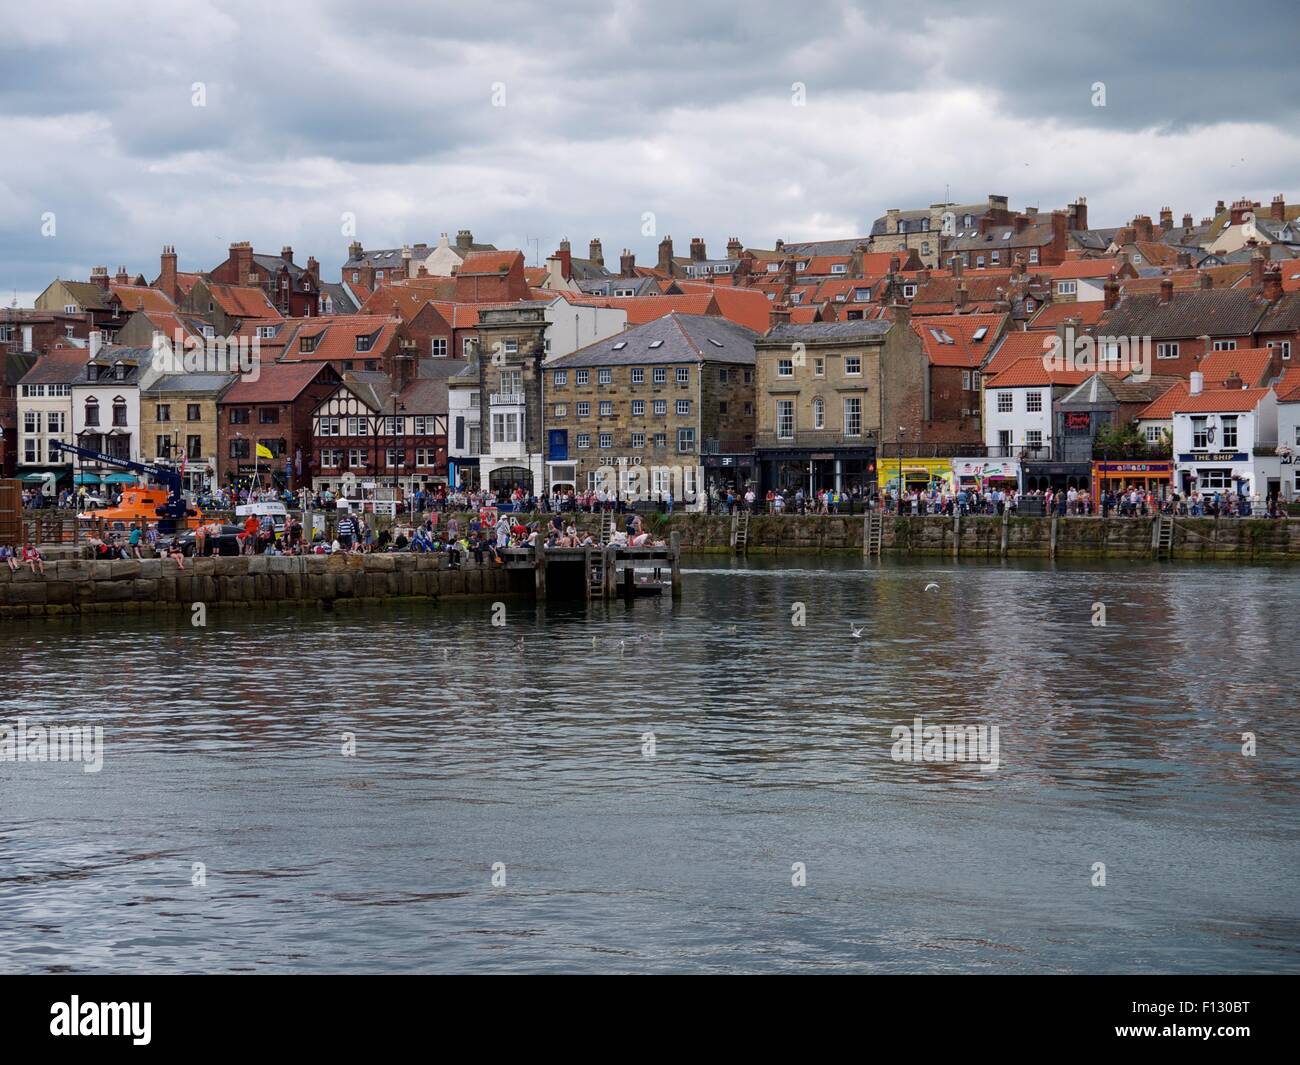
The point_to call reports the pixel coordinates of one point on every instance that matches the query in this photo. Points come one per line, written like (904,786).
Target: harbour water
(641,779)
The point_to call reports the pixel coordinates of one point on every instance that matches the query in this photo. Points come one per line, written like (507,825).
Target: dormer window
(307,345)
(265,332)
(839,268)
(363,343)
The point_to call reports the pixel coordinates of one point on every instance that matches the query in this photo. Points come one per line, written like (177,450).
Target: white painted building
(106,408)
(1288,442)
(464,439)
(1018,407)
(1225,440)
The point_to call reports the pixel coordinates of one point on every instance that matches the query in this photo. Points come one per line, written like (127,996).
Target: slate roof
(58,366)
(680,338)
(828,332)
(190,382)
(1191,313)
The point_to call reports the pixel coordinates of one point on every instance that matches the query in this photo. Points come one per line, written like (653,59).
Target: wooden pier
(601,571)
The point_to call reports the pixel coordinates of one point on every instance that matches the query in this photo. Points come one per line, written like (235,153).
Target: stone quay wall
(84,587)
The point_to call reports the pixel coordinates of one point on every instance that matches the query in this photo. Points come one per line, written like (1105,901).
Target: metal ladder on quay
(1163,542)
(875,534)
(740,531)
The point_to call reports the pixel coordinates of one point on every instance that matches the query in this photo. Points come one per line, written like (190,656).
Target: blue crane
(172,512)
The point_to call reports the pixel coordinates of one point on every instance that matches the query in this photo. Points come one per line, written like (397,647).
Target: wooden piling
(1006,522)
(675,544)
(539,568)
(956,532)
(1052,549)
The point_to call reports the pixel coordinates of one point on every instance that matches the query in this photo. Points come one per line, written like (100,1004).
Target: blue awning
(120,478)
(86,478)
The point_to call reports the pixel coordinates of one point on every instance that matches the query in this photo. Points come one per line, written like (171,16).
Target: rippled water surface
(525,745)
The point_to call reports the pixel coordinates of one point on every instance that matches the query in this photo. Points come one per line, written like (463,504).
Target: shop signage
(1077,420)
(1214,456)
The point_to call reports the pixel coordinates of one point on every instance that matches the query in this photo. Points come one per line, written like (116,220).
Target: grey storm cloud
(614,109)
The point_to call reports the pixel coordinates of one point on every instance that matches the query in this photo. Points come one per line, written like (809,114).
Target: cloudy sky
(528,122)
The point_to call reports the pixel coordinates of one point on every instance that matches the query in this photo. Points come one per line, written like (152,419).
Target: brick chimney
(1110,293)
(286,253)
(778,314)
(464,242)
(961,295)
(1273,283)
(923,276)
(99,276)
(698,253)
(355,250)
(955,263)
(665,264)
(595,253)
(1142,227)
(1218,208)
(1187,221)
(1278,211)
(1166,218)
(313,269)
(1166,289)
(1204,280)
(1233,380)
(1079,214)
(122,278)
(1184,260)
(1021,222)
(565,255)
(627,263)
(1057,254)
(167,274)
(242,253)
(1256,269)
(1239,211)
(734,248)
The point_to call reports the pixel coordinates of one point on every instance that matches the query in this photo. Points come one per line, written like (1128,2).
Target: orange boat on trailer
(139,505)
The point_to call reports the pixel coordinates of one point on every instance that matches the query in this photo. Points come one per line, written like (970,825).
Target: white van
(277,512)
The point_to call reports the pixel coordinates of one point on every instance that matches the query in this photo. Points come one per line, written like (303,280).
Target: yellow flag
(264,452)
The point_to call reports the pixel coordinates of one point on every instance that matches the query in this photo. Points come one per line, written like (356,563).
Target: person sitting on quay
(33,559)
(7,553)
(174,552)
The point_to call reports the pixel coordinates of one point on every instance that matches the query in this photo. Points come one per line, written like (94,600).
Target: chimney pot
(1196,383)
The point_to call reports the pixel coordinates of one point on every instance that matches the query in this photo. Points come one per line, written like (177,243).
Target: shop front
(986,475)
(1222,472)
(723,472)
(1058,476)
(919,475)
(1121,475)
(841,469)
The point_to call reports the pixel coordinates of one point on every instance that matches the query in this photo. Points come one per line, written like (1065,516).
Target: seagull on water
(932,587)
(856,632)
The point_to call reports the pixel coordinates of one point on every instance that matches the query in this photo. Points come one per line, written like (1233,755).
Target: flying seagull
(856,632)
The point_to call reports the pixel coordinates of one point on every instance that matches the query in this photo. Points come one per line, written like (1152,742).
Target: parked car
(225,543)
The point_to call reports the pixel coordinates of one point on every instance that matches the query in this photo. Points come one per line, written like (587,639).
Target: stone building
(673,398)
(510,350)
(178,420)
(833,398)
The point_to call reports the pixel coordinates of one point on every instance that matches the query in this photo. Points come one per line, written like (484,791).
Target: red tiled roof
(744,306)
(1016,346)
(963,350)
(1253,365)
(142,298)
(1161,409)
(642,309)
(243,301)
(278,382)
(1030,373)
(1088,312)
(1214,400)
(489,262)
(1077,268)
(336,337)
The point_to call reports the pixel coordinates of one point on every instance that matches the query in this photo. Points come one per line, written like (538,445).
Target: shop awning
(86,478)
(32,478)
(120,478)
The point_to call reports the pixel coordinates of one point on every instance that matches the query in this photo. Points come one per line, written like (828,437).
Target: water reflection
(772,745)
